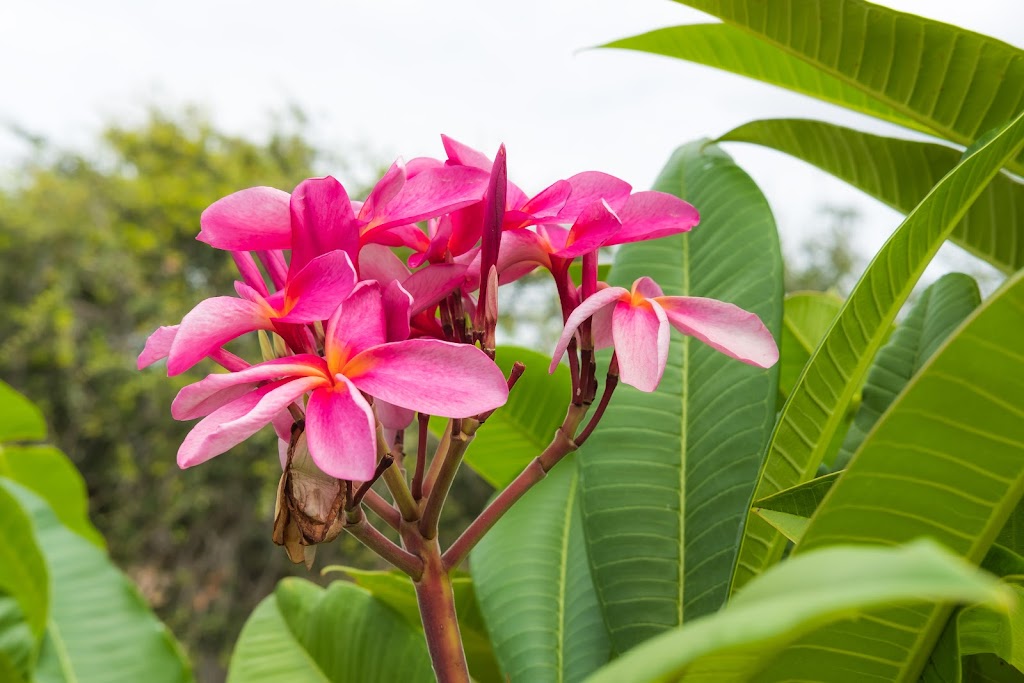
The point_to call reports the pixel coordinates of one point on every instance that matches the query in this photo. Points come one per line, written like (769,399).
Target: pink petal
(589,187)
(211,324)
(649,215)
(318,289)
(464,155)
(465,230)
(357,324)
(641,336)
(430,194)
(647,288)
(601,328)
(248,220)
(322,221)
(521,246)
(235,422)
(430,376)
(209,394)
(724,327)
(158,345)
(377,262)
(544,205)
(392,417)
(397,305)
(431,284)
(340,432)
(384,191)
(589,307)
(596,225)
(250,272)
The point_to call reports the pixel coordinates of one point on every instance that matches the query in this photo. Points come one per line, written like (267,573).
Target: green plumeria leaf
(20,419)
(807,317)
(666,478)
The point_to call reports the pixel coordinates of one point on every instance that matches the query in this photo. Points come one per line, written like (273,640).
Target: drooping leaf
(941,307)
(792,599)
(666,478)
(21,420)
(817,406)
(99,627)
(955,82)
(339,634)
(396,590)
(786,523)
(23,573)
(51,475)
(535,589)
(17,643)
(802,499)
(807,317)
(899,173)
(945,462)
(521,429)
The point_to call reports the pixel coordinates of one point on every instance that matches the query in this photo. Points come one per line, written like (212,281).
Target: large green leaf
(306,634)
(808,315)
(955,82)
(20,419)
(535,589)
(731,49)
(817,406)
(396,590)
(50,474)
(792,599)
(899,173)
(99,628)
(666,477)
(945,462)
(17,642)
(518,431)
(940,308)
(23,574)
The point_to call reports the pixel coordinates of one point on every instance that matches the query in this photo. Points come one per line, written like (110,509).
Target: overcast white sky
(391,75)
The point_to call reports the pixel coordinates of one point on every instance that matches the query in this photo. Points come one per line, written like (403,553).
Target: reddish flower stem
(462,434)
(368,535)
(421,457)
(382,509)
(437,611)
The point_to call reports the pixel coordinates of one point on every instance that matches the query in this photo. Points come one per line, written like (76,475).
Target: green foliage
(815,410)
(535,588)
(790,600)
(808,315)
(24,583)
(342,633)
(666,477)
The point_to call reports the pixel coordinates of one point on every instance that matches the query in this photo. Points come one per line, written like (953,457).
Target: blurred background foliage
(98,249)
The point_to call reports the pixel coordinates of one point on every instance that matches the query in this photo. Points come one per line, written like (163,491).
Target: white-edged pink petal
(211,324)
(589,306)
(340,432)
(209,394)
(319,288)
(722,326)
(357,324)
(248,220)
(641,335)
(235,422)
(430,376)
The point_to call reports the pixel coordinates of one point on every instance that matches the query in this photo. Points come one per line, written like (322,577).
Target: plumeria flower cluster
(358,340)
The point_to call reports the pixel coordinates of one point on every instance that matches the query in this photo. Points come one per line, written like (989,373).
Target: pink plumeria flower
(312,294)
(636,322)
(424,375)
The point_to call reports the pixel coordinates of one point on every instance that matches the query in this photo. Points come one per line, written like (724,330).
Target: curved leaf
(731,49)
(955,82)
(817,407)
(22,420)
(396,590)
(99,627)
(941,307)
(23,574)
(666,477)
(534,586)
(792,599)
(943,461)
(339,634)
(50,474)
(899,173)
(518,431)
(807,317)
(17,642)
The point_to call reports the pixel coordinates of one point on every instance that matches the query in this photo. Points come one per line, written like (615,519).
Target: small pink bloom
(636,324)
